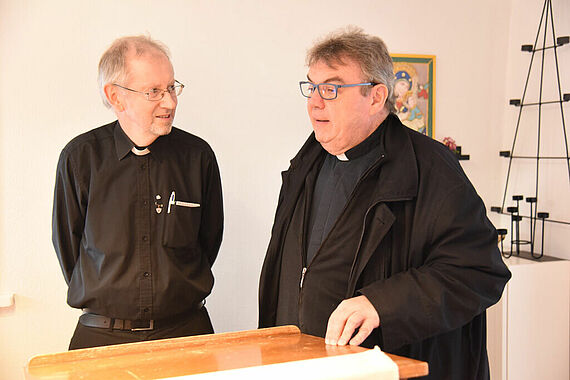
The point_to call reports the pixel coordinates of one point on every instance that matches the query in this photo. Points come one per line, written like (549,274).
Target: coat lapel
(396,180)
(294,178)
(378,221)
(292,187)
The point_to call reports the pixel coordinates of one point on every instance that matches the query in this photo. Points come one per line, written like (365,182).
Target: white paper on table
(370,364)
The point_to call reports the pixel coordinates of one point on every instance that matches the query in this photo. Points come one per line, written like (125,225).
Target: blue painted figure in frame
(410,93)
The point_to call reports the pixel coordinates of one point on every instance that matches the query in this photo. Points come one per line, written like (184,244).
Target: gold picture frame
(414,91)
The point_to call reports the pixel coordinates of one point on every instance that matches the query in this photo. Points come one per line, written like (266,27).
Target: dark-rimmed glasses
(328,91)
(156,94)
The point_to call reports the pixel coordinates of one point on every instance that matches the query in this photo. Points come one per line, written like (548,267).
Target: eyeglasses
(328,91)
(156,94)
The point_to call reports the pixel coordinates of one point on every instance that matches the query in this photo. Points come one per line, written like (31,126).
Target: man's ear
(113,97)
(379,98)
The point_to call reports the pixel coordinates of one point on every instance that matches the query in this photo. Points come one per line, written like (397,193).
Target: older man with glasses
(379,237)
(137,214)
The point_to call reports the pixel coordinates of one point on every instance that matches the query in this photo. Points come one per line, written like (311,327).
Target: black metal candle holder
(516,220)
(514,211)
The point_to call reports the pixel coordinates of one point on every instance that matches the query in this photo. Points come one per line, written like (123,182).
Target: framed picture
(414,91)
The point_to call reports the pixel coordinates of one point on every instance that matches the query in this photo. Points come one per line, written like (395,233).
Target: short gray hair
(370,52)
(113,63)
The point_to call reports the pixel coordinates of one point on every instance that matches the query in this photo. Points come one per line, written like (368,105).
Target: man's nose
(316,100)
(169,100)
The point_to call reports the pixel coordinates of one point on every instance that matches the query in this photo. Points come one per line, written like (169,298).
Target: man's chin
(321,137)
(330,147)
(162,130)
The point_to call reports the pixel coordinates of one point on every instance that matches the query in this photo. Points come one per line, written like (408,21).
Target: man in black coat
(379,237)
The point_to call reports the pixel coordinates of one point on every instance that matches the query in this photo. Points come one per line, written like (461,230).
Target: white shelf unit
(528,330)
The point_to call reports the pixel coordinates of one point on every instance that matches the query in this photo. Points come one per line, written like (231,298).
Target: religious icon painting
(414,91)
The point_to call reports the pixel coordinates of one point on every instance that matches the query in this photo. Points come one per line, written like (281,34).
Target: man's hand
(353,313)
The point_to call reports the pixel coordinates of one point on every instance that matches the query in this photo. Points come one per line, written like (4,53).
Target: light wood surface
(199,354)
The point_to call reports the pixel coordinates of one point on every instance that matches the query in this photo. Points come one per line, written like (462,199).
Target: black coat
(427,258)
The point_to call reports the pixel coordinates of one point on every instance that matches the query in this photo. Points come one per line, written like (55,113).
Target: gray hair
(113,63)
(368,51)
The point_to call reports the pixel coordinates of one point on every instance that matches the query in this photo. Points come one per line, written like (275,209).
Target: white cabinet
(528,329)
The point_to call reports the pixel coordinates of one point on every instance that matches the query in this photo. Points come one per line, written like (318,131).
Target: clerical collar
(361,149)
(140,151)
(124,145)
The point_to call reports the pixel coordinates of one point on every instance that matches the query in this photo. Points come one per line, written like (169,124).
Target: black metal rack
(514,211)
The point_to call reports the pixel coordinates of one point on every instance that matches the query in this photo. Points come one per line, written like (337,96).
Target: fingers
(354,321)
(335,327)
(352,314)
(363,332)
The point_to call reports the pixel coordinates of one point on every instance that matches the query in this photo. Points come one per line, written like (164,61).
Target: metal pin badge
(158,204)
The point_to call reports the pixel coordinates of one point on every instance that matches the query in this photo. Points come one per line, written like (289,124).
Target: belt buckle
(150,327)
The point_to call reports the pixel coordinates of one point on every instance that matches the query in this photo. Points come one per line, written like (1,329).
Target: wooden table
(198,354)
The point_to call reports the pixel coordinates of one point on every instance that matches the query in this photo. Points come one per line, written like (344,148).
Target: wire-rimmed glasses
(156,94)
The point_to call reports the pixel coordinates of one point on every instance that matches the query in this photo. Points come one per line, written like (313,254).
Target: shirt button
(145,238)
(143,166)
(146,309)
(146,274)
(145,203)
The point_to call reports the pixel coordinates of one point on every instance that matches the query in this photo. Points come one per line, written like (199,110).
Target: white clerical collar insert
(342,157)
(140,152)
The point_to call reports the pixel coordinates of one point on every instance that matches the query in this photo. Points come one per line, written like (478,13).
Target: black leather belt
(100,321)
(90,319)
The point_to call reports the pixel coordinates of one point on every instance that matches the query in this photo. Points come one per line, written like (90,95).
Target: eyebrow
(158,87)
(328,80)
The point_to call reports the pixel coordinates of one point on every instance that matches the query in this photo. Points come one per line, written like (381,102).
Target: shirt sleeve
(462,274)
(212,224)
(68,218)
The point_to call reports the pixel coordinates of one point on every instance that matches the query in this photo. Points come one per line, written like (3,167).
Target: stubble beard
(161,130)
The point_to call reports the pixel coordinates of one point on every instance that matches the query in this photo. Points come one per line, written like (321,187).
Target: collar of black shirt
(124,145)
(365,146)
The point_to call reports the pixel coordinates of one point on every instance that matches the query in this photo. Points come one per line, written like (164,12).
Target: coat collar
(398,177)
(398,170)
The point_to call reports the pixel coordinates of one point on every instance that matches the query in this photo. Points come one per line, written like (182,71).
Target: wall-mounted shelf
(460,156)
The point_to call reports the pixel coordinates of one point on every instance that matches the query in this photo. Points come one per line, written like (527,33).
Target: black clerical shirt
(136,235)
(337,179)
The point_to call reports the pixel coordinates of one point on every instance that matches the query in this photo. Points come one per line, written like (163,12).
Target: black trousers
(194,323)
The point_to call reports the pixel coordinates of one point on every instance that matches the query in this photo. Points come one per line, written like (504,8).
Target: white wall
(241,62)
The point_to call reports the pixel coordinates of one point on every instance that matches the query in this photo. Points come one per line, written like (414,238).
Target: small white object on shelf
(6,300)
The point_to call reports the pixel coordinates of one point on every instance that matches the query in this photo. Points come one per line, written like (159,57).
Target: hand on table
(353,313)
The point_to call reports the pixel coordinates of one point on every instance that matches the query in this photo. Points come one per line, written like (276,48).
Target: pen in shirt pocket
(172,201)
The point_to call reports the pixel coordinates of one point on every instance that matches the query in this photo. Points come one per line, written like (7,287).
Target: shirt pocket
(181,225)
